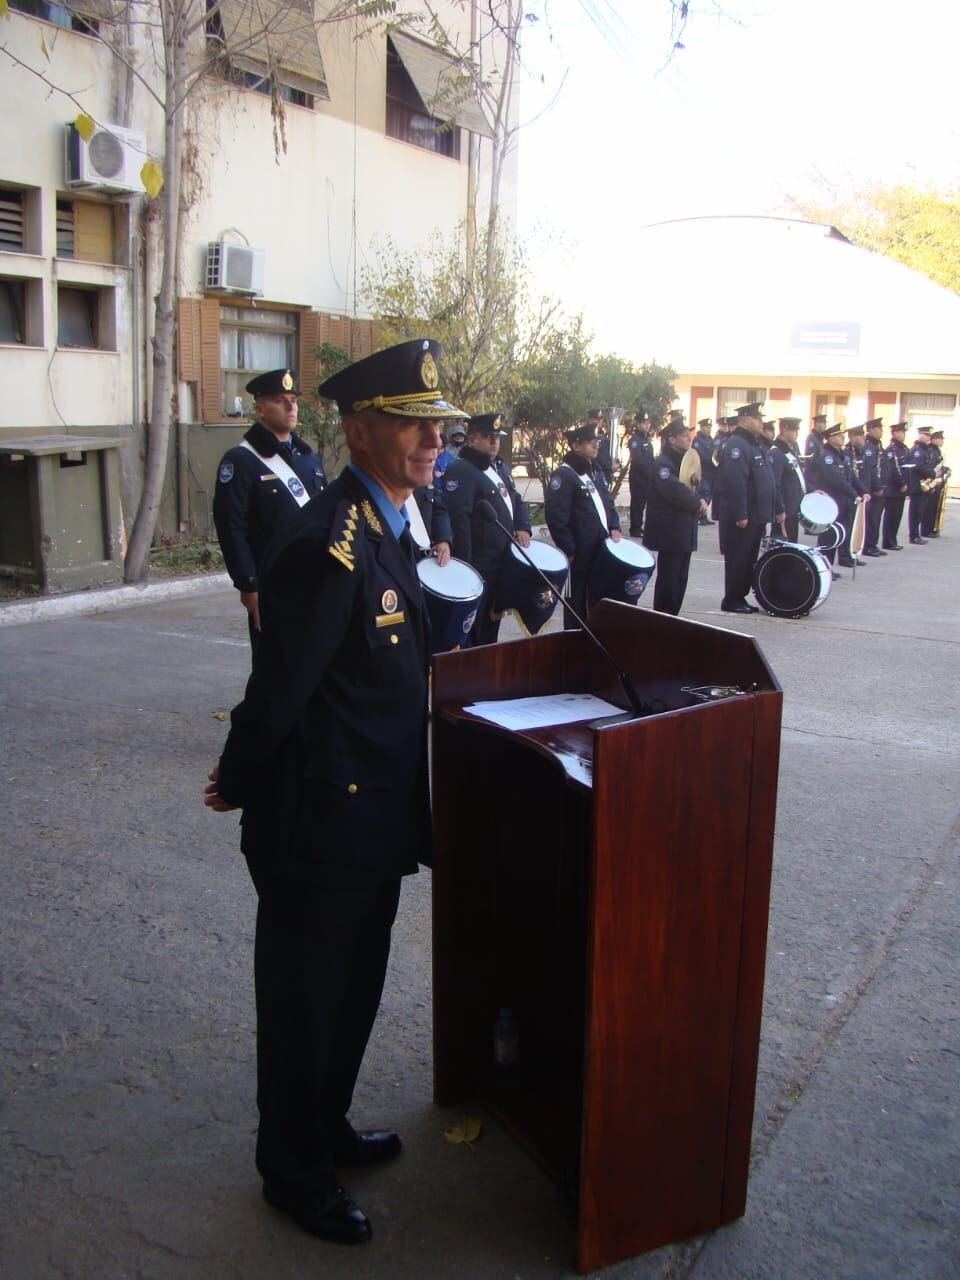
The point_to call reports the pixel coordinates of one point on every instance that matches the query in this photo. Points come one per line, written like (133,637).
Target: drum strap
(283,472)
(418,530)
(589,487)
(502,491)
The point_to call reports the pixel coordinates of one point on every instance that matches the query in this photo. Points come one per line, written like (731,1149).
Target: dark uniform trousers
(740,550)
(327,756)
(871,539)
(320,959)
(892,515)
(918,502)
(673,570)
(791,525)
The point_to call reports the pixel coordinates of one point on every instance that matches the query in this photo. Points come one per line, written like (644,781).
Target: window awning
(273,38)
(444,88)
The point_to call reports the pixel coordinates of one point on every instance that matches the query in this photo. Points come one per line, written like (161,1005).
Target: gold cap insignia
(287,381)
(429,373)
(388,601)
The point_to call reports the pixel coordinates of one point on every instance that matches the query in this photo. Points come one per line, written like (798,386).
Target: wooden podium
(614,894)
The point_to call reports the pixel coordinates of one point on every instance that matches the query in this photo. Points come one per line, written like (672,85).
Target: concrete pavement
(128,1072)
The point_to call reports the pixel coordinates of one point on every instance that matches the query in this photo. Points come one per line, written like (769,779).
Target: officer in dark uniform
(919,467)
(747,495)
(813,445)
(604,462)
(673,510)
(784,458)
(831,474)
(580,513)
(327,757)
(261,482)
(479,475)
(853,462)
(932,504)
(703,443)
(430,525)
(456,439)
(896,454)
(725,428)
(874,480)
(640,448)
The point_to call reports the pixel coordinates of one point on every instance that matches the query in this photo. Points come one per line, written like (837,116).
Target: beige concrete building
(275,241)
(793,314)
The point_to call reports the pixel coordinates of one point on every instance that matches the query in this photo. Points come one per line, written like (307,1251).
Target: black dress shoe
(845,564)
(834,575)
(919,542)
(367,1147)
(336,1219)
(705,522)
(873,552)
(931,534)
(893,546)
(739,608)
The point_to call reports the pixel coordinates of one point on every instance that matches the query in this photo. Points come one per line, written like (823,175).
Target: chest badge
(295,487)
(389,601)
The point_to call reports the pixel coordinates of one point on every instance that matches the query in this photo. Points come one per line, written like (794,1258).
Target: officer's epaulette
(342,533)
(371,517)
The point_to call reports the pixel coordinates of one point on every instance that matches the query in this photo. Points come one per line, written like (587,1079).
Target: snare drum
(817,511)
(620,571)
(791,580)
(452,595)
(524,591)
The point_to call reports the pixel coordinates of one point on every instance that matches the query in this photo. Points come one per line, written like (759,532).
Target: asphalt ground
(127,1033)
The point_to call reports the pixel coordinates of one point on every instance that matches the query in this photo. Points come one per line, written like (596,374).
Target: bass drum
(522,589)
(791,580)
(620,571)
(452,596)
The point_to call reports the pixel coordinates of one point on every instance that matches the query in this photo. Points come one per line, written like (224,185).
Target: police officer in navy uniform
(813,445)
(703,443)
(327,757)
(919,467)
(747,494)
(831,474)
(456,439)
(479,475)
(853,464)
(580,513)
(932,504)
(640,448)
(261,482)
(784,458)
(673,510)
(874,480)
(894,498)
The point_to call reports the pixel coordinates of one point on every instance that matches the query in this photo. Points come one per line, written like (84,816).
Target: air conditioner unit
(234,268)
(110,161)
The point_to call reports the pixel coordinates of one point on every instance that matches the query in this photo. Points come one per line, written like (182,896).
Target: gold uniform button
(352,789)
(394,639)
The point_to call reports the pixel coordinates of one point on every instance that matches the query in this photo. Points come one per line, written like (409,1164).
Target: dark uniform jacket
(853,460)
(436,518)
(812,448)
(832,474)
(250,503)
(745,485)
(476,540)
(896,454)
(640,447)
(873,475)
(919,466)
(788,474)
(327,752)
(572,517)
(673,510)
(705,446)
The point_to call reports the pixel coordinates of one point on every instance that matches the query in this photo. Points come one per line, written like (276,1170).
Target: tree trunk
(164,384)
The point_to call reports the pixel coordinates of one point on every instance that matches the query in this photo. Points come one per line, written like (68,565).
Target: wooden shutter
(92,231)
(335,330)
(362,338)
(188,339)
(210,360)
(309,340)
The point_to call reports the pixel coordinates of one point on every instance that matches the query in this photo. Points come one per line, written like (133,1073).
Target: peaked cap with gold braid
(403,381)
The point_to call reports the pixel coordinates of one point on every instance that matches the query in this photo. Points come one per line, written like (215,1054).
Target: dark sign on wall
(826,335)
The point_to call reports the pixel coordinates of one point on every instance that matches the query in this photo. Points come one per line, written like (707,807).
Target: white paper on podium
(538,713)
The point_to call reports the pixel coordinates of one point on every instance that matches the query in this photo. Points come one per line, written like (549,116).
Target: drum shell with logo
(523,590)
(452,596)
(620,571)
(791,580)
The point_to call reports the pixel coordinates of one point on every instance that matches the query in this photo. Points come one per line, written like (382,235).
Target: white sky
(756,104)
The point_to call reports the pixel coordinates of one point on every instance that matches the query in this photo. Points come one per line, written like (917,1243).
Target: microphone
(640,708)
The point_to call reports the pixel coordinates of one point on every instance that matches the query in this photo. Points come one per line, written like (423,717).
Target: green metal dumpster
(60,520)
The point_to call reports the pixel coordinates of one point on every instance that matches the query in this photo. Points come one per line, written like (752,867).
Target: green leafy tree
(920,228)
